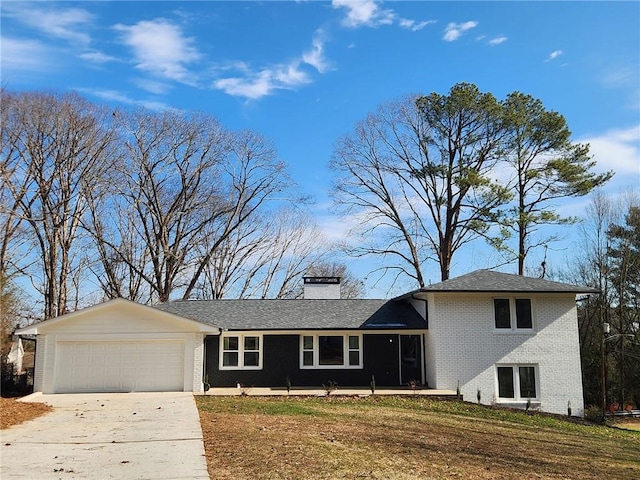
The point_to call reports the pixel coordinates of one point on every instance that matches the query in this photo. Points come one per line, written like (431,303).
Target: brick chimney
(324,288)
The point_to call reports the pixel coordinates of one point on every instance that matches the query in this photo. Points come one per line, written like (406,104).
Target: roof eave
(577,291)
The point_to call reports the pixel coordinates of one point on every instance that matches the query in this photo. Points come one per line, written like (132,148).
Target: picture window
(331,351)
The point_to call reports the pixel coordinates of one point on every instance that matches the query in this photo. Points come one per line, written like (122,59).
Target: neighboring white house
(513,339)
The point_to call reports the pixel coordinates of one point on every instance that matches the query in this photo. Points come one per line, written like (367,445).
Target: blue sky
(303,73)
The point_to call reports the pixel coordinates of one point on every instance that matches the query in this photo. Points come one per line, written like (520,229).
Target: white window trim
(516,383)
(241,337)
(513,317)
(345,348)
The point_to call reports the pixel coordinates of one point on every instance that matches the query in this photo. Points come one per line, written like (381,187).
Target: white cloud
(620,77)
(290,75)
(497,41)
(97,57)
(240,80)
(553,55)
(24,55)
(152,86)
(161,48)
(119,97)
(64,24)
(453,31)
(254,85)
(617,150)
(626,79)
(413,25)
(315,57)
(367,13)
(364,13)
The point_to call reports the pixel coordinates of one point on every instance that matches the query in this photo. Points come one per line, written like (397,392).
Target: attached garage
(120,366)
(119,346)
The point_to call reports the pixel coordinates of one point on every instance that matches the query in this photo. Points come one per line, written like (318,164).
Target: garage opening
(119,366)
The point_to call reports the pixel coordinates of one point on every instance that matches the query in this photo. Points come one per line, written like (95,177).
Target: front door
(410,359)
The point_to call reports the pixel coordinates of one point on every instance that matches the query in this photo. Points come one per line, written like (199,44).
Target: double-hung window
(513,314)
(331,351)
(240,352)
(517,382)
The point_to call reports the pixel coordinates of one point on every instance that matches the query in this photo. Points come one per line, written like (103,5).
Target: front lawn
(403,438)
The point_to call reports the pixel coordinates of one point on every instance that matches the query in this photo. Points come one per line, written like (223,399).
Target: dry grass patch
(404,438)
(629,424)
(13,412)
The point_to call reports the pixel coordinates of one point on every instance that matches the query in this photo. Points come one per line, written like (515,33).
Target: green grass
(245,405)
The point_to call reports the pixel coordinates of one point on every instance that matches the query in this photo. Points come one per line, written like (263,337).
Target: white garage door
(119,366)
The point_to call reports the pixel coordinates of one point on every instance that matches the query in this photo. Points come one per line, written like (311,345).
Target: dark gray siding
(281,360)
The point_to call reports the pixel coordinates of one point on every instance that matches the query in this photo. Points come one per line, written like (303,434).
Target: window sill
(331,367)
(239,368)
(508,331)
(518,403)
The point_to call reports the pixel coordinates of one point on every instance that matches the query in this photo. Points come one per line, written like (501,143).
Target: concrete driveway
(107,435)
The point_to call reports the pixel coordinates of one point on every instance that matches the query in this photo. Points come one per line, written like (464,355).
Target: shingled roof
(491,281)
(298,314)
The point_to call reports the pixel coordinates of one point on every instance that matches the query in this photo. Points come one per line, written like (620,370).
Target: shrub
(594,414)
(330,387)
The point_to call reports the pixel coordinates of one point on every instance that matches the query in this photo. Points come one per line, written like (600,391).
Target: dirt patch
(13,412)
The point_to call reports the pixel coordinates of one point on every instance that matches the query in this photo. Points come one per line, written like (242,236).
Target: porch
(323,392)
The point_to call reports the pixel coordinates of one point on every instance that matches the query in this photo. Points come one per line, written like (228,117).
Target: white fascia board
(320,331)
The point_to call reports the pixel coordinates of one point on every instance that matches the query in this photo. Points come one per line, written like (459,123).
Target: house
(513,339)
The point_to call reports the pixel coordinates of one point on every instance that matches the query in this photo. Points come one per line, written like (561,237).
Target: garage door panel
(120,366)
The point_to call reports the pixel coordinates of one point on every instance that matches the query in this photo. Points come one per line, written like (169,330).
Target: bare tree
(597,263)
(416,175)
(12,191)
(254,177)
(591,267)
(112,223)
(369,191)
(228,265)
(294,242)
(55,151)
(350,285)
(186,186)
(624,274)
(266,258)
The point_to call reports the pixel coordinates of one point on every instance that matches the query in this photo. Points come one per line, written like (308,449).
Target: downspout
(423,339)
(205,373)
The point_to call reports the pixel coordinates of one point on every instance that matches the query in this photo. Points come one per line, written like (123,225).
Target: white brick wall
(38,372)
(466,348)
(198,362)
